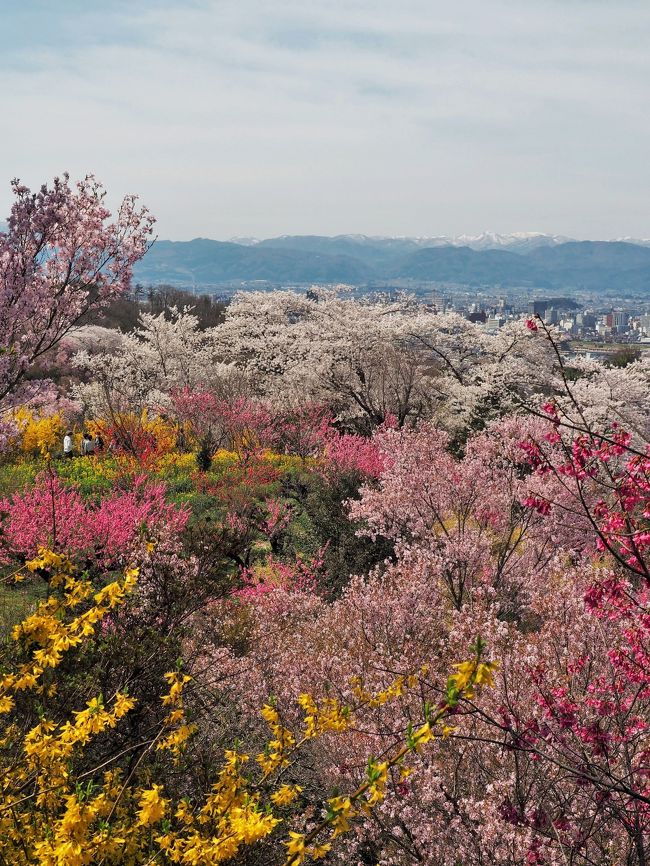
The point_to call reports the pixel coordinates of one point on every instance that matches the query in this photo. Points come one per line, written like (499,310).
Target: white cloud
(257,117)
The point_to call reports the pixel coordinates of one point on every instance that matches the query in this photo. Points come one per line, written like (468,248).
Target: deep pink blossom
(52,514)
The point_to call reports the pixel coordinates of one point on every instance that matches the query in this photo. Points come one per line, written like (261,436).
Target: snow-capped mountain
(515,242)
(521,259)
(244,242)
(640,242)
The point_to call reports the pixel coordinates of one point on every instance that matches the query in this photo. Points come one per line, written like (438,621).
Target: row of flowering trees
(315,510)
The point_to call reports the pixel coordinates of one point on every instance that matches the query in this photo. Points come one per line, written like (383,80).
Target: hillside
(203,261)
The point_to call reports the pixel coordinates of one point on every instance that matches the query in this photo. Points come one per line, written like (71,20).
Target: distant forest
(122,313)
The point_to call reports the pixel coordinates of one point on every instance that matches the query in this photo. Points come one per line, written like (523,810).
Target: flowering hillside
(334,580)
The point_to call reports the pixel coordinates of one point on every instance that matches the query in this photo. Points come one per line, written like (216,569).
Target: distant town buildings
(585,317)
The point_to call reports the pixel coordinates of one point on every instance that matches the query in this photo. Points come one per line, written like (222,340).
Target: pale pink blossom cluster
(553,762)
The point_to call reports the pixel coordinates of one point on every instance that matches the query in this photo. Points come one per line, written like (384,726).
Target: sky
(268,117)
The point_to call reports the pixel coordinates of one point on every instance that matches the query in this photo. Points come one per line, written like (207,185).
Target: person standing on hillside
(87,445)
(67,444)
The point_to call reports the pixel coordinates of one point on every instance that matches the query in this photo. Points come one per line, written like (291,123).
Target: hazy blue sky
(264,117)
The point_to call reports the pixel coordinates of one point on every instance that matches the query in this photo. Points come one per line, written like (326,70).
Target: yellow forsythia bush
(39,432)
(165,432)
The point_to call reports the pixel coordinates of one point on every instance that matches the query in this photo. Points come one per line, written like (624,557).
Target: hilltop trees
(374,359)
(365,360)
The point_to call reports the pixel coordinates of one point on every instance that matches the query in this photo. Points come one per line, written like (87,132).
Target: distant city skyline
(250,118)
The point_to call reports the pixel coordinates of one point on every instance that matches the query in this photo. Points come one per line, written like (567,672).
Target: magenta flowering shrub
(348,452)
(592,720)
(604,472)
(237,423)
(54,515)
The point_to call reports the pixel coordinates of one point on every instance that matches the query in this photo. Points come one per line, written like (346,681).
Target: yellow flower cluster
(395,690)
(470,674)
(49,816)
(230,817)
(56,822)
(223,455)
(279,748)
(329,716)
(38,433)
(179,731)
(176,461)
(287,462)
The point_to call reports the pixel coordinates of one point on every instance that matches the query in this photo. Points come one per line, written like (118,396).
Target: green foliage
(204,457)
(16,603)
(323,503)
(16,476)
(92,476)
(624,356)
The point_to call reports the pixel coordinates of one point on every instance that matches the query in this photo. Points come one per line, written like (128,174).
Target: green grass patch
(18,601)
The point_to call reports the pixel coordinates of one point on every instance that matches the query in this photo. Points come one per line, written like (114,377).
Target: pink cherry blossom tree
(60,257)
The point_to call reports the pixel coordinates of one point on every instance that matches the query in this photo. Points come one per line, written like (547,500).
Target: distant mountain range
(521,259)
(518,241)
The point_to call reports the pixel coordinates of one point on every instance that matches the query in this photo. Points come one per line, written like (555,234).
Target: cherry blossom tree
(368,359)
(60,258)
(332,350)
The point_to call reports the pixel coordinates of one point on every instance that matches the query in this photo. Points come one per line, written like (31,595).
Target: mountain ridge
(359,260)
(484,240)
